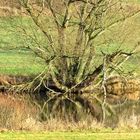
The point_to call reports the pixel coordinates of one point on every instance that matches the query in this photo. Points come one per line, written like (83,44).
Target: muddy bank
(116,86)
(8,80)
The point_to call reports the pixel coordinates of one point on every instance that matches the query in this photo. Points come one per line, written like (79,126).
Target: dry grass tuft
(132,122)
(58,124)
(15,112)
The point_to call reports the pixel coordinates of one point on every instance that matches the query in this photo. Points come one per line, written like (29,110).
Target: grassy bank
(69,136)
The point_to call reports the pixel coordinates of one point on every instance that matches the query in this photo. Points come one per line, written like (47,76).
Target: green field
(26,63)
(68,136)
(20,63)
(15,59)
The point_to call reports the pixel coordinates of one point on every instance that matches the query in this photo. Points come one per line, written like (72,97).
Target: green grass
(20,63)
(68,136)
(14,58)
(8,32)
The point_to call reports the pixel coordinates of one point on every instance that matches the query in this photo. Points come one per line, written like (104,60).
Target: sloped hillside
(9,7)
(9,3)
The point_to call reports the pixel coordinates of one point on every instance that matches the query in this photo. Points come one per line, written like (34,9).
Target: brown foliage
(124,87)
(6,80)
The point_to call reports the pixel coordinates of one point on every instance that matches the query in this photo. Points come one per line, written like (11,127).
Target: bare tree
(75,35)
